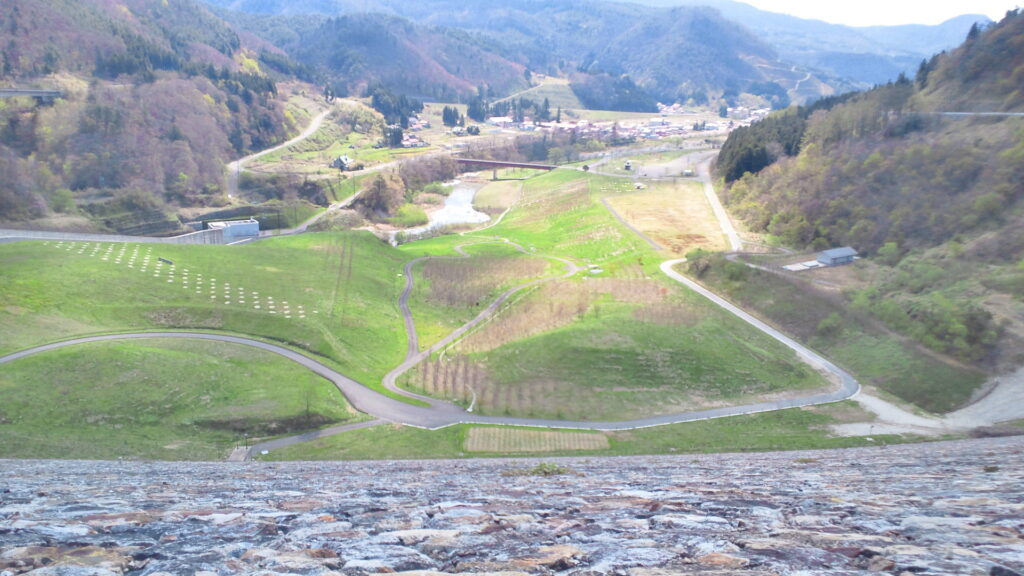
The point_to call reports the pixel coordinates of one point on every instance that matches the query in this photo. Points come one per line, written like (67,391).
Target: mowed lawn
(161,398)
(329,294)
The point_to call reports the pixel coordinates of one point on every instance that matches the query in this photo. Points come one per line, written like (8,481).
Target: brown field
(560,303)
(457,283)
(514,440)
(452,379)
(668,314)
(461,380)
(676,216)
(550,307)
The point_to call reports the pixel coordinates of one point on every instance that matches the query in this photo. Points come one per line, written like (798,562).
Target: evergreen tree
(477,109)
(450,116)
(974,32)
(393,136)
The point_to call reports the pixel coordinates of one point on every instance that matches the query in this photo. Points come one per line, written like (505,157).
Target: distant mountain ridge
(677,53)
(360,49)
(866,55)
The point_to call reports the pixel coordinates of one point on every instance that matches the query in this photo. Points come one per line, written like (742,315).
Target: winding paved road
(439,413)
(235,168)
(442,414)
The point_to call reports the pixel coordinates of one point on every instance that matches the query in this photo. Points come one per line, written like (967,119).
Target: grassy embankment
(797,429)
(331,295)
(616,342)
(825,322)
(161,398)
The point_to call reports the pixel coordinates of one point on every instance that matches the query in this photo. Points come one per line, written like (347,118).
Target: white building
(236,229)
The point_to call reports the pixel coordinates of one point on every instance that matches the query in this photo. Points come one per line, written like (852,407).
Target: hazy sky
(888,12)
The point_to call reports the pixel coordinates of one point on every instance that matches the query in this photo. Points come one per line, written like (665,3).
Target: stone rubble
(943,508)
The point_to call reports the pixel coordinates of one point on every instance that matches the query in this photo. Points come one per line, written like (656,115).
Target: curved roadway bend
(236,167)
(441,413)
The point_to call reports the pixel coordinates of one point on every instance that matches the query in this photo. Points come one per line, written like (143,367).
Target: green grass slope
(332,295)
(161,398)
(617,341)
(796,429)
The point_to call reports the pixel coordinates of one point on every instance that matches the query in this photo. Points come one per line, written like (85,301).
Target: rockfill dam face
(941,508)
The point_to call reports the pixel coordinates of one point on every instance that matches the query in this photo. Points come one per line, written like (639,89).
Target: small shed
(837,256)
(236,229)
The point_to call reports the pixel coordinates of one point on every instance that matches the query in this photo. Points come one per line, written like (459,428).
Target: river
(458,209)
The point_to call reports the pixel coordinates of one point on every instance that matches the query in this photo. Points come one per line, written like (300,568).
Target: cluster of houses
(672,120)
(652,129)
(417,124)
(413,141)
(748,115)
(740,113)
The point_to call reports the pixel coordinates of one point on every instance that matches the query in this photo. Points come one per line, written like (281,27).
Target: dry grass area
(514,440)
(560,303)
(552,306)
(845,412)
(452,379)
(668,314)
(544,202)
(496,197)
(458,283)
(857,277)
(461,380)
(677,216)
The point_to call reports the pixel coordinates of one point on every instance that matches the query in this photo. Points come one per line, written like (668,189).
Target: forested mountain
(936,200)
(157,97)
(866,55)
(670,53)
(666,46)
(361,49)
(883,165)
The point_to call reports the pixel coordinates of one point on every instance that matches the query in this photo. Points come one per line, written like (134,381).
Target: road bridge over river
(496,164)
